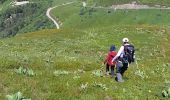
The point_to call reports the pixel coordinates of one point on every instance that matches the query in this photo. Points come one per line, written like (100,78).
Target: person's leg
(118,72)
(124,68)
(107,69)
(112,70)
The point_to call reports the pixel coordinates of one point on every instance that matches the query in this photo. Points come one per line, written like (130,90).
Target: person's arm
(118,54)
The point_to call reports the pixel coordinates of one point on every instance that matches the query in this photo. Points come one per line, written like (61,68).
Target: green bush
(25,71)
(16,96)
(166,93)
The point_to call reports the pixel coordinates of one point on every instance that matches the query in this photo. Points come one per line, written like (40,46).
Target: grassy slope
(72,49)
(148,2)
(58,2)
(95,18)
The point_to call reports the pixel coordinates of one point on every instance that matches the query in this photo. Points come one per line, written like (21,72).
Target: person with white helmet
(124,57)
(84,7)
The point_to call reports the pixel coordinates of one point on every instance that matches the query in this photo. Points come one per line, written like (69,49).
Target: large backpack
(129,53)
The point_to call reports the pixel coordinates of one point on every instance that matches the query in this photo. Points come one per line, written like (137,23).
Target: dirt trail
(132,5)
(51,18)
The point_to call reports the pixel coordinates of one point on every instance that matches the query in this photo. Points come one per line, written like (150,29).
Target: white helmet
(125,40)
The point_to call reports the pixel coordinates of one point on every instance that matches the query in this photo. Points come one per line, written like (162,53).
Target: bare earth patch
(20,3)
(134,5)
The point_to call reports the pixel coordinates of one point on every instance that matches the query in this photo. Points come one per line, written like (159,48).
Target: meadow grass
(79,48)
(94,18)
(48,51)
(58,2)
(111,2)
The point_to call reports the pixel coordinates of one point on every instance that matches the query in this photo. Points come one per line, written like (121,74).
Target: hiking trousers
(121,68)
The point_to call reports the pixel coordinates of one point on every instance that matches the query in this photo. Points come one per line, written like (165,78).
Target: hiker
(83,8)
(123,58)
(108,61)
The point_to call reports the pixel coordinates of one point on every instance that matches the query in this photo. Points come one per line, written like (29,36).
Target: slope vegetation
(67,62)
(64,62)
(23,18)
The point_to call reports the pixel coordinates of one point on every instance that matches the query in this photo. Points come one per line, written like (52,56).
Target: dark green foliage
(18,18)
(2,1)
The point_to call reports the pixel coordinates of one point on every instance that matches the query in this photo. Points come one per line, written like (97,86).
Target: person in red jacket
(108,61)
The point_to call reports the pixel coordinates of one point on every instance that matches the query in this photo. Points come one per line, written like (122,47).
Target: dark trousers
(110,67)
(121,68)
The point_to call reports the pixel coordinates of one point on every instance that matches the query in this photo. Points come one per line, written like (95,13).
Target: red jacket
(109,58)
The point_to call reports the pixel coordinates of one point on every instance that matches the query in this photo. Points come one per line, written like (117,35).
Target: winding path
(123,6)
(51,18)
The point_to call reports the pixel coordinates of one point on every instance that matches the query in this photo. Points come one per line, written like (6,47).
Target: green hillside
(65,64)
(24,18)
(93,17)
(110,2)
(32,17)
(48,51)
(74,16)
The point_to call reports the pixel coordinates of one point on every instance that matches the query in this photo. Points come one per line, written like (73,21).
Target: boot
(119,77)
